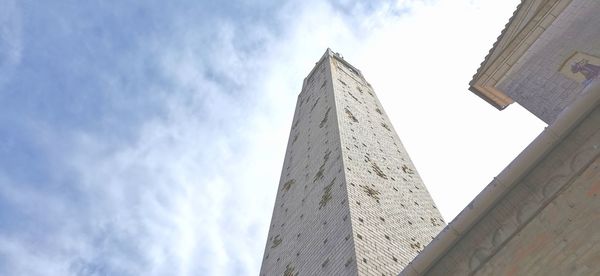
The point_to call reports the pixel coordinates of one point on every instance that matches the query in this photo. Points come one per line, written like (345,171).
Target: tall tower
(350,201)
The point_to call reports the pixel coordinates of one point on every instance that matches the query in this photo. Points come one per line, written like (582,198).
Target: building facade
(541,214)
(350,201)
(544,58)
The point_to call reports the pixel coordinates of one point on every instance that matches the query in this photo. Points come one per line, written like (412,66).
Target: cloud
(167,193)
(148,140)
(10,39)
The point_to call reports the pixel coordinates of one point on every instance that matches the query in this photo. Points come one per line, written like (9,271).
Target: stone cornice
(529,21)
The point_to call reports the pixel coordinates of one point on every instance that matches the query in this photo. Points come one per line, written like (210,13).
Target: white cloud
(10,39)
(192,194)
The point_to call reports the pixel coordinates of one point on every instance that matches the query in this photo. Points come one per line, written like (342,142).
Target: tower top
(328,55)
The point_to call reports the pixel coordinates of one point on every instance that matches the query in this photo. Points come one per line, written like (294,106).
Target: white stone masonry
(350,201)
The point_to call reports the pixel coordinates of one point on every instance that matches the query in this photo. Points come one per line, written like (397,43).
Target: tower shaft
(350,201)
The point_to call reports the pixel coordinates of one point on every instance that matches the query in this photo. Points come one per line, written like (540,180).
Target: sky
(147,137)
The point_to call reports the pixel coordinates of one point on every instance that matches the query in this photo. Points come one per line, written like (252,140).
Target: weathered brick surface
(350,201)
(310,220)
(534,81)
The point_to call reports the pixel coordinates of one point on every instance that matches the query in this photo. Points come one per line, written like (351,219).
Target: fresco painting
(581,67)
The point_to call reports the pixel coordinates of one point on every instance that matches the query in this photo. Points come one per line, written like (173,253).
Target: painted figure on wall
(590,71)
